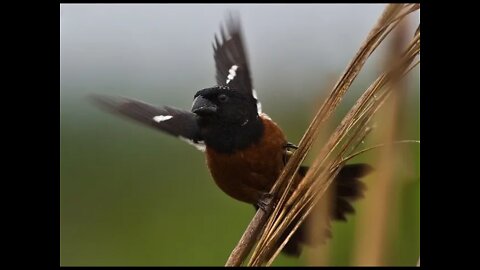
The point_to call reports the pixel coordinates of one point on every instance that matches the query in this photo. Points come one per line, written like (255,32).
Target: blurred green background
(133,196)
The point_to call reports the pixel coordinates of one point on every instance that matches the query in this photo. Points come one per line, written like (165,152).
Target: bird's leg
(290,145)
(265,202)
(287,148)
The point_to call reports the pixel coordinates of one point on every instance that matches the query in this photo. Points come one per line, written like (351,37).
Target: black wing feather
(181,123)
(347,188)
(230,51)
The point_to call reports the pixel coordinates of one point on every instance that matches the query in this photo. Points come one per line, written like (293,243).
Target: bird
(245,150)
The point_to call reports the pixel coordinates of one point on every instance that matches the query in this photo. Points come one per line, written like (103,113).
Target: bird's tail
(345,189)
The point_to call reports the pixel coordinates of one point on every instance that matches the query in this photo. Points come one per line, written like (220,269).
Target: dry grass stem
(347,158)
(381,206)
(297,202)
(345,139)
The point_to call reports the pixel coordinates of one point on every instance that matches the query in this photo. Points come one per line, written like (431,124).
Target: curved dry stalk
(360,113)
(376,147)
(247,240)
(377,34)
(277,221)
(372,228)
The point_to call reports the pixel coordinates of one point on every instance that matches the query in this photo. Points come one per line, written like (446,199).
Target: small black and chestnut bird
(245,150)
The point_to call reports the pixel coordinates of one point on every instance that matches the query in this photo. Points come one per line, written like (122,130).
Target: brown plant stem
(270,221)
(248,239)
(353,123)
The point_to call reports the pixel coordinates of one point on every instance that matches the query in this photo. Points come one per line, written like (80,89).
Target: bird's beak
(202,106)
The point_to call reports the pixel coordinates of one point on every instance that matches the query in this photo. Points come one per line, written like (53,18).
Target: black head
(224,105)
(228,119)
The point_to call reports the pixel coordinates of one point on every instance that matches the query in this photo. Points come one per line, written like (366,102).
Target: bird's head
(222,105)
(228,119)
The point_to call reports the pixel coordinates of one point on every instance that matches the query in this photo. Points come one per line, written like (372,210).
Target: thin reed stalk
(352,130)
(298,202)
(381,207)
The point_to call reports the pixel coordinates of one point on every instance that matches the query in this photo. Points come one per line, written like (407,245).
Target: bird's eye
(222,98)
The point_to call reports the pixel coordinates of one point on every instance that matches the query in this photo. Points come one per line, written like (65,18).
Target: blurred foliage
(133,196)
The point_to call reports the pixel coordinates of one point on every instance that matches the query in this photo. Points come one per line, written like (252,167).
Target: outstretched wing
(175,122)
(231,59)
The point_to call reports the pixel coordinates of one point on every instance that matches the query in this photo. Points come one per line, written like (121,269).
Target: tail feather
(346,189)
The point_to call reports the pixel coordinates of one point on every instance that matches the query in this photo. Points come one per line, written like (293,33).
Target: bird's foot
(290,145)
(265,202)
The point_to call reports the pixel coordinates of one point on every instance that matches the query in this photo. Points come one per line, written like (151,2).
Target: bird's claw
(290,145)
(266,202)
(287,148)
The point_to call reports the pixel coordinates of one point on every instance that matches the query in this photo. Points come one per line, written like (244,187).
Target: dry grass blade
(317,180)
(279,219)
(375,147)
(345,139)
(373,230)
(384,25)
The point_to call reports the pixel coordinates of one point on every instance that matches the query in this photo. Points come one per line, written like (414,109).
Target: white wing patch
(232,72)
(161,118)
(259,105)
(200,145)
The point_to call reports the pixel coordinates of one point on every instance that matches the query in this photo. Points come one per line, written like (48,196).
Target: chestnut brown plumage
(246,151)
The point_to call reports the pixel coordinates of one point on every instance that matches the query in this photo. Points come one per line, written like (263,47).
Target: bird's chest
(247,173)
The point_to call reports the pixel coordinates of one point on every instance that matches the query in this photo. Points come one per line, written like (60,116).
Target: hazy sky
(157,50)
